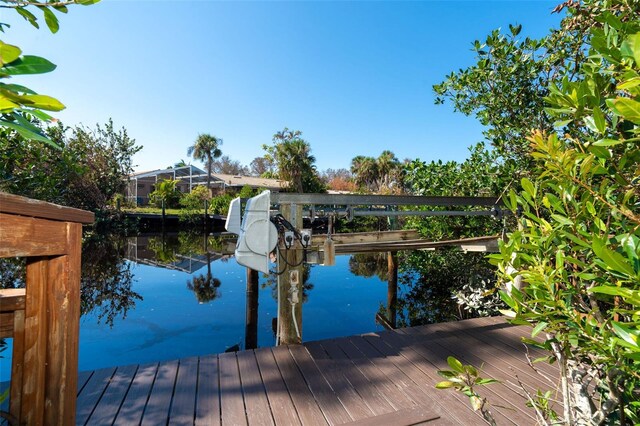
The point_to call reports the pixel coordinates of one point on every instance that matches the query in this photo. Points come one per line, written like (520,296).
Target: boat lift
(271,231)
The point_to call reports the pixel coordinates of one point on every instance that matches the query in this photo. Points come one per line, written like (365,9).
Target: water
(170,323)
(153,298)
(139,303)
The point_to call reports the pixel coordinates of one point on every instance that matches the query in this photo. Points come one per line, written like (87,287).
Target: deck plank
(231,397)
(494,351)
(371,393)
(91,394)
(282,407)
(157,409)
(134,403)
(327,398)
(377,378)
(183,405)
(306,405)
(375,375)
(107,409)
(504,400)
(330,369)
(255,397)
(208,393)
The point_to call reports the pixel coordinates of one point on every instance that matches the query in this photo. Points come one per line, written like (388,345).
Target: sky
(355,77)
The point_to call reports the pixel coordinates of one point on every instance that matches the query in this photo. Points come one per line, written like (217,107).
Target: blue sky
(355,77)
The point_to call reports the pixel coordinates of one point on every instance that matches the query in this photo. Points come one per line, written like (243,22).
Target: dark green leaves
(28,65)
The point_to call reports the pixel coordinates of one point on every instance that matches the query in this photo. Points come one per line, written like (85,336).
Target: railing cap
(23,206)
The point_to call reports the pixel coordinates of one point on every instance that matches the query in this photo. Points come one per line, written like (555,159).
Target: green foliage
(166,193)
(248,192)
(19,105)
(380,175)
(577,250)
(292,157)
(220,204)
(87,172)
(465,378)
(194,201)
(479,175)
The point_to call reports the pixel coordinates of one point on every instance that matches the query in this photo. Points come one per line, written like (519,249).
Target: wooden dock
(374,379)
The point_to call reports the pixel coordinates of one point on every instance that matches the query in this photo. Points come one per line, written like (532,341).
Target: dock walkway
(384,378)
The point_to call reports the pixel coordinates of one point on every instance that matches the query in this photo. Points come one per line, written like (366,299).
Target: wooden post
(392,286)
(45,330)
(251,324)
(290,282)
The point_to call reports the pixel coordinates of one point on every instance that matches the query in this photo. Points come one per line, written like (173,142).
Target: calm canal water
(156,298)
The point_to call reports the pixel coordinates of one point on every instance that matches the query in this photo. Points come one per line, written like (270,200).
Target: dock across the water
(385,378)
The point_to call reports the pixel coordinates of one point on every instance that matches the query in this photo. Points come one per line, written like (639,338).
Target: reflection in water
(431,280)
(436,286)
(107,279)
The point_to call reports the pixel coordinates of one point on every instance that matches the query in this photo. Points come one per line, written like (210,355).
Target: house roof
(198,175)
(180,172)
(256,182)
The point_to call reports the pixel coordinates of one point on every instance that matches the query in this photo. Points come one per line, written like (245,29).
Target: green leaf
(486,381)
(608,142)
(631,47)
(7,104)
(28,65)
(51,19)
(612,259)
(455,364)
(44,102)
(25,132)
(562,220)
(16,88)
(629,295)
(8,53)
(445,385)
(528,187)
(599,120)
(628,109)
(538,328)
(629,84)
(28,16)
(628,335)
(87,2)
(515,29)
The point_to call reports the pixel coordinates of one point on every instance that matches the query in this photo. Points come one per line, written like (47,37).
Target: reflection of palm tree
(206,286)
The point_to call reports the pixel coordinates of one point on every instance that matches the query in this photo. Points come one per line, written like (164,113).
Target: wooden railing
(43,318)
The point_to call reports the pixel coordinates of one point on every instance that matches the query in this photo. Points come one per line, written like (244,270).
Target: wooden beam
(290,281)
(63,318)
(22,236)
(17,205)
(12,299)
(367,237)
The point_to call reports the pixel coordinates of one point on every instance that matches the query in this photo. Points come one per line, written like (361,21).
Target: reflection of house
(141,250)
(141,184)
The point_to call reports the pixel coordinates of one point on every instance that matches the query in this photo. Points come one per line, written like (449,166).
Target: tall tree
(295,164)
(205,149)
(377,174)
(227,166)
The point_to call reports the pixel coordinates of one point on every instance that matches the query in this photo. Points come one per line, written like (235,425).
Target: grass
(158,211)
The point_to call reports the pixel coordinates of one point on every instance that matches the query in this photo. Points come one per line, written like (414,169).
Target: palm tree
(365,171)
(205,149)
(387,163)
(294,159)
